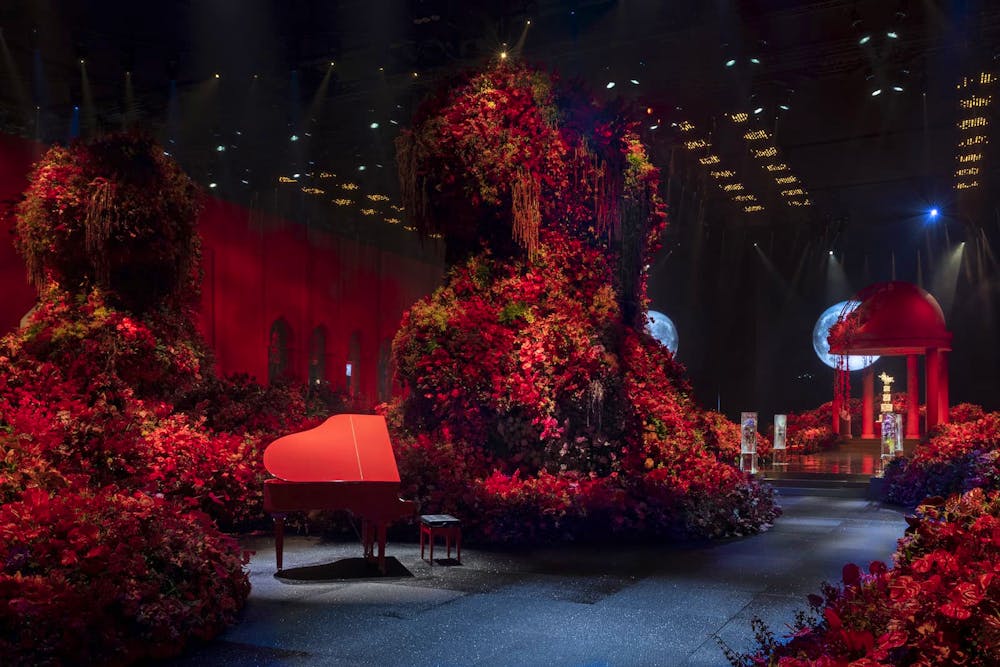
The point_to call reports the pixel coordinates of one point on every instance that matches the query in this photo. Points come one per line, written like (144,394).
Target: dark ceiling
(862,169)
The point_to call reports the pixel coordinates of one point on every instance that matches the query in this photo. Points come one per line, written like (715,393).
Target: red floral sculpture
(537,407)
(115,466)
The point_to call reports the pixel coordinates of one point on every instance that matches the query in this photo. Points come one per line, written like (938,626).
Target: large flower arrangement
(114,470)
(537,407)
(939,604)
(957,457)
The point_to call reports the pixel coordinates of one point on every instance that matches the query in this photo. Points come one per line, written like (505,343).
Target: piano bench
(445,525)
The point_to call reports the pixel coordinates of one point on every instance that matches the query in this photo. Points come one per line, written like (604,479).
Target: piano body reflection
(345,463)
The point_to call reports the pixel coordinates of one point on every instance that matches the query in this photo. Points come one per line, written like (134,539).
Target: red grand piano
(345,463)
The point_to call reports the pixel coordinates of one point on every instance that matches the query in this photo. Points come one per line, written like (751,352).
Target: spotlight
(374,126)
(933,213)
(331,63)
(611,84)
(876,92)
(730,62)
(892,34)
(653,127)
(294,137)
(783,107)
(503,55)
(755,61)
(864,40)
(831,253)
(220,148)
(634,81)
(213,185)
(758,110)
(898,89)
(218,76)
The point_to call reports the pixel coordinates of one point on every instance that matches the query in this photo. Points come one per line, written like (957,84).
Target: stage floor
(855,457)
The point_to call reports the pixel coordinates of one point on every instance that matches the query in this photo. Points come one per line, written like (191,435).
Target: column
(933,371)
(943,388)
(868,404)
(835,407)
(912,398)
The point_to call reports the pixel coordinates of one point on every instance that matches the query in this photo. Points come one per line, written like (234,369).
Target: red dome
(896,318)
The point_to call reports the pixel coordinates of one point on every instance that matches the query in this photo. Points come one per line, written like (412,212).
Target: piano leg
(279,538)
(381,547)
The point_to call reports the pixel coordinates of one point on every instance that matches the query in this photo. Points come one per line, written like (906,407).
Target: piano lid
(344,448)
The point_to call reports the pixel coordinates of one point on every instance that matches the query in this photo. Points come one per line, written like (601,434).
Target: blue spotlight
(933,213)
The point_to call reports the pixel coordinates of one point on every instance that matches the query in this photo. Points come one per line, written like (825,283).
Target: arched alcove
(279,351)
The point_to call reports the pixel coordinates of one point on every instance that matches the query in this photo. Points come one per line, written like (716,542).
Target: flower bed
(938,605)
(957,457)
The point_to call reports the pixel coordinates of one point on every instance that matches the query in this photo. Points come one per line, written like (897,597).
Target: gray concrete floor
(572,605)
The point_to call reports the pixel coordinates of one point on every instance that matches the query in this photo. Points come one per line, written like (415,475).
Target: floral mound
(537,407)
(959,456)
(110,550)
(939,604)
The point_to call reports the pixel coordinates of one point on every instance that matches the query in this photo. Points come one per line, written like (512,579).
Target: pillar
(868,404)
(942,388)
(933,371)
(835,409)
(912,398)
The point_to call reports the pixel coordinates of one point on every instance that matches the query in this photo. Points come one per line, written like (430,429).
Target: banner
(780,424)
(748,429)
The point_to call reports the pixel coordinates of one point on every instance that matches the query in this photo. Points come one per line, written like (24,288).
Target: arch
(317,356)
(385,370)
(279,351)
(353,368)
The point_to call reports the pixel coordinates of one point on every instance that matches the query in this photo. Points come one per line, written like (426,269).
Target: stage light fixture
(294,137)
(730,62)
(755,61)
(611,84)
(634,81)
(876,92)
(213,185)
(933,213)
(653,127)
(898,89)
(783,107)
(219,149)
(758,110)
(217,75)
(864,40)
(892,34)
(374,126)
(503,55)
(831,253)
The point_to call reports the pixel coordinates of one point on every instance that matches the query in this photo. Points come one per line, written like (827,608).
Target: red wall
(259,268)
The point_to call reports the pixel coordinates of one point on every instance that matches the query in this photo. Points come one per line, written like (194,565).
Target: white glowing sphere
(662,329)
(822,330)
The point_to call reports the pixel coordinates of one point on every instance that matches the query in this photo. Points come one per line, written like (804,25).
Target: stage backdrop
(278,298)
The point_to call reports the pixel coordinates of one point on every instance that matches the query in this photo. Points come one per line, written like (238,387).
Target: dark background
(872,166)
